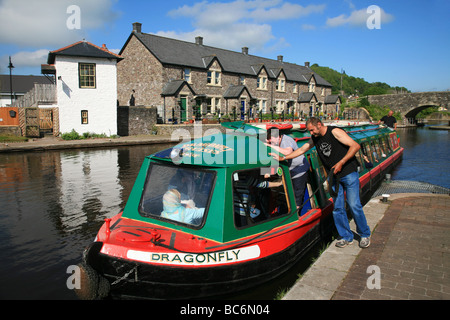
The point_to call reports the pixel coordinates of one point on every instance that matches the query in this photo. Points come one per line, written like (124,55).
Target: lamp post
(10,67)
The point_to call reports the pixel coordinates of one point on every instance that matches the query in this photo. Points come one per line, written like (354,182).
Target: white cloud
(358,18)
(44,23)
(239,23)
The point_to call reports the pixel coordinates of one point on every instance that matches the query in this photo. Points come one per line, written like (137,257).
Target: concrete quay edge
(324,277)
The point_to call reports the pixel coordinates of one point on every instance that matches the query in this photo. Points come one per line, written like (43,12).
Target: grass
(12,139)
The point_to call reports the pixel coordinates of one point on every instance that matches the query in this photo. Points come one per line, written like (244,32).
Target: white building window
(84,117)
(312,87)
(295,90)
(86,75)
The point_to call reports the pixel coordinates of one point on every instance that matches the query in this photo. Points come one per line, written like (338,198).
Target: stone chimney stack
(245,50)
(199,41)
(137,27)
(307,64)
(280,58)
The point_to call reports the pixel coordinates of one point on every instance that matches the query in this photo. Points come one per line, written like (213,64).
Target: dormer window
(187,75)
(262,83)
(214,78)
(281,85)
(312,87)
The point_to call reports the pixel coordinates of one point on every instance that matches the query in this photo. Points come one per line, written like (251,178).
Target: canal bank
(408,259)
(53,143)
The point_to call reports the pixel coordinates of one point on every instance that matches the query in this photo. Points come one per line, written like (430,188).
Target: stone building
(183,79)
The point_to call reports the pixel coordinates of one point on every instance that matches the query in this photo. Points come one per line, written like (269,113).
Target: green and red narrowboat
(197,223)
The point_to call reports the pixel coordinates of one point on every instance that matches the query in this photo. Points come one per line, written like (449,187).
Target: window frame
(87,81)
(148,215)
(84,116)
(270,218)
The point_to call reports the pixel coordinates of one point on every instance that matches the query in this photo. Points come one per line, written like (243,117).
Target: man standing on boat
(389,120)
(337,152)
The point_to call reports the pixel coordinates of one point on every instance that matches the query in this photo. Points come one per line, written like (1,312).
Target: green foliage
(73,135)
(353,85)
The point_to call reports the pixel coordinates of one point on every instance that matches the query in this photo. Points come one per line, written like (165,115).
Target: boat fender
(92,285)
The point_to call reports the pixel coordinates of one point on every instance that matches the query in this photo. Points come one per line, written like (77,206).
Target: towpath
(408,259)
(53,143)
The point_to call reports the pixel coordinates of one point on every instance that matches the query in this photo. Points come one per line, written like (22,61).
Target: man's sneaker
(365,242)
(343,243)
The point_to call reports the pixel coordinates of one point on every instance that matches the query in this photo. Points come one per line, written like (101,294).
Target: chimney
(245,50)
(137,27)
(307,64)
(280,58)
(199,41)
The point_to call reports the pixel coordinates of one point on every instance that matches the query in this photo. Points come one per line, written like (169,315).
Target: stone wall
(133,121)
(409,104)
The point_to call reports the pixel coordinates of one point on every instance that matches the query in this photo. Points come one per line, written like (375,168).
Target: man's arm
(296,153)
(345,139)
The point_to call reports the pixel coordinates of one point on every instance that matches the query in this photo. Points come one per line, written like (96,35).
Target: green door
(183,109)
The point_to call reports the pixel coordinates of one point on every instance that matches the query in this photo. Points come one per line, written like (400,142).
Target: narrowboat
(198,223)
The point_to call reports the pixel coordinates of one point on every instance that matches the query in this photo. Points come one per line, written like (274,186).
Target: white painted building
(86,85)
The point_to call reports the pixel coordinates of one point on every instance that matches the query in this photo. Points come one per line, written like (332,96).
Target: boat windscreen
(177,194)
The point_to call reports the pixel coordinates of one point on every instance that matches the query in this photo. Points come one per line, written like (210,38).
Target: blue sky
(410,48)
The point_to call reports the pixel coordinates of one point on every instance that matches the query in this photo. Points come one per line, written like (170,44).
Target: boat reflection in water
(197,225)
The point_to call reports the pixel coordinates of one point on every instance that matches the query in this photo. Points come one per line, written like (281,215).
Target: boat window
(383,149)
(258,197)
(178,194)
(375,152)
(367,155)
(386,145)
(358,157)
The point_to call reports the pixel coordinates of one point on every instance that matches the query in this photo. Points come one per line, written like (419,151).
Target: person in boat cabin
(389,120)
(337,152)
(174,210)
(298,166)
(247,186)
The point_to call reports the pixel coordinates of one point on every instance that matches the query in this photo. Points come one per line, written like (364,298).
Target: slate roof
(332,99)
(21,84)
(82,49)
(192,55)
(307,97)
(173,87)
(235,92)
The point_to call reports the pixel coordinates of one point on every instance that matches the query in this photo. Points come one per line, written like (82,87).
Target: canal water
(53,203)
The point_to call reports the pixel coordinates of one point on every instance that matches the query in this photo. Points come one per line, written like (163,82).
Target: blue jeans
(349,184)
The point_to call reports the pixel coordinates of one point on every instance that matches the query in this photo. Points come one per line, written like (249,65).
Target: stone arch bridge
(410,104)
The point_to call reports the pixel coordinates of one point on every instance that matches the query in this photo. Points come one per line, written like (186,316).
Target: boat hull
(138,280)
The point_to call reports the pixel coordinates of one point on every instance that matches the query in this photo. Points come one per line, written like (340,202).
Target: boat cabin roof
(243,144)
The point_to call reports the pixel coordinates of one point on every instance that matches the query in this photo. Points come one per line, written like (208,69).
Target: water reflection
(51,206)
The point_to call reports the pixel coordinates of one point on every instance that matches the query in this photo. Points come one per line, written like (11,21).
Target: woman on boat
(174,210)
